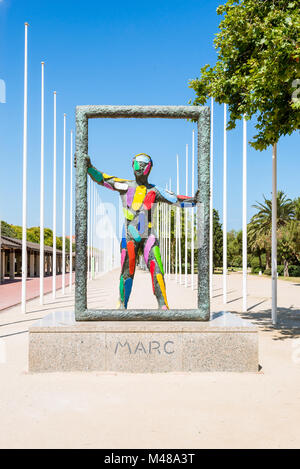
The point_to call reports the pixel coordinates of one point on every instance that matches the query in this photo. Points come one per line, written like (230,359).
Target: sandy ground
(178,410)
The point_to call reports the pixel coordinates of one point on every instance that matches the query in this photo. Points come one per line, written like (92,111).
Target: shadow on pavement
(288,326)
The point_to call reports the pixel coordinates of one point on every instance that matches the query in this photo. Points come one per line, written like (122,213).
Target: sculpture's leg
(154,263)
(128,263)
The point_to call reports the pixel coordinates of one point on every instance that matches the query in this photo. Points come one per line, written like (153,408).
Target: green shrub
(267,272)
(294,270)
(280,270)
(255,267)
(255,270)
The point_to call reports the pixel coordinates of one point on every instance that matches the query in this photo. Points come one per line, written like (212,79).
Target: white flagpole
(94,231)
(193,211)
(54,201)
(274,234)
(179,228)
(97,234)
(225,210)
(186,218)
(244,215)
(176,227)
(42,192)
(24,220)
(88,232)
(165,243)
(163,234)
(165,237)
(211,212)
(160,229)
(91,232)
(71,211)
(64,213)
(169,231)
(157,221)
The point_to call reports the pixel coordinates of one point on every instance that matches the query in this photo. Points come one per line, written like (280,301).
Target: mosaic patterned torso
(139,202)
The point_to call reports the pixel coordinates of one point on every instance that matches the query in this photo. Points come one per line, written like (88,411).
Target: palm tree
(297,208)
(289,244)
(285,212)
(261,223)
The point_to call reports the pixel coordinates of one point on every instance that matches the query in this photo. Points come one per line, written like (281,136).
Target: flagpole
(92,234)
(94,230)
(274,234)
(211,228)
(42,191)
(169,231)
(186,218)
(64,213)
(179,228)
(54,199)
(176,228)
(88,229)
(71,212)
(193,212)
(166,235)
(244,215)
(24,195)
(225,209)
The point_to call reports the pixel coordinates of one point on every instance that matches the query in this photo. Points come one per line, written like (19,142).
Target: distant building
(11,259)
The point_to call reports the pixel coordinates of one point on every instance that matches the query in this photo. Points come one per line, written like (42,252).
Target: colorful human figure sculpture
(138,199)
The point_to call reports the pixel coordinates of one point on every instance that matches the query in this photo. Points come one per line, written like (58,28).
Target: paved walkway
(167,410)
(11,290)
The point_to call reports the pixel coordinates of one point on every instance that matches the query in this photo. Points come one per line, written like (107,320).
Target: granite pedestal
(226,343)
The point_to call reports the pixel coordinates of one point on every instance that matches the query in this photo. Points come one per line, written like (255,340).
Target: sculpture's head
(142,165)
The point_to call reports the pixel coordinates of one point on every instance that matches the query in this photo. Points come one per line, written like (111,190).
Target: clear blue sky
(132,52)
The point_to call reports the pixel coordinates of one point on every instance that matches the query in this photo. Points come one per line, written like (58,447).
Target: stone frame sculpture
(202,115)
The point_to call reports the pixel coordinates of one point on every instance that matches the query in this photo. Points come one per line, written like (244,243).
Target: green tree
(285,212)
(217,240)
(33,235)
(297,208)
(7,230)
(259,231)
(234,248)
(289,244)
(257,67)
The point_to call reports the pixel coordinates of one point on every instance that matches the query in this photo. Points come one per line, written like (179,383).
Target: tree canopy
(257,72)
(33,235)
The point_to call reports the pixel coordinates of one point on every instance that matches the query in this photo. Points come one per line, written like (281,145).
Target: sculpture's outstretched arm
(168,197)
(103,179)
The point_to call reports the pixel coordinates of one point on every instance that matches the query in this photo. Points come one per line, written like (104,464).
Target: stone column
(12,265)
(2,265)
(48,265)
(31,264)
(19,264)
(6,274)
(37,264)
